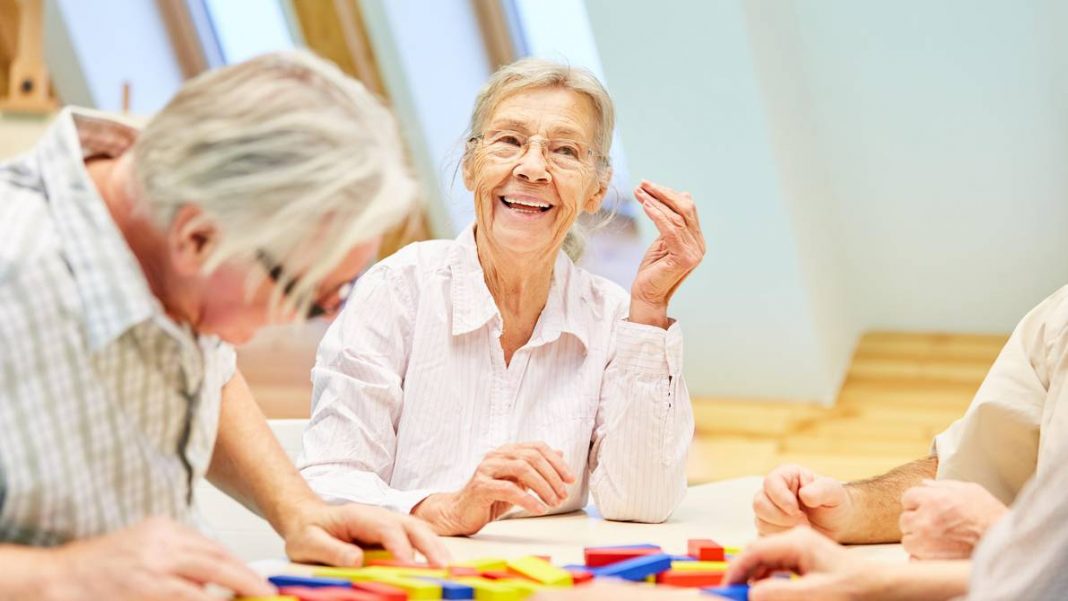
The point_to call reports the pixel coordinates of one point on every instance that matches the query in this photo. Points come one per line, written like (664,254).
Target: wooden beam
(28,82)
(494,25)
(9,23)
(335,30)
(184,38)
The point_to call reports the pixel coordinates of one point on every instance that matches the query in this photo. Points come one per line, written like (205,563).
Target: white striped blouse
(411,389)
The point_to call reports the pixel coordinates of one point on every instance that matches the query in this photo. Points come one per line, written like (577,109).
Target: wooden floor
(901,390)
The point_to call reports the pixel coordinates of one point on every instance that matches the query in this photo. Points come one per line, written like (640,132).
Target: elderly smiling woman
(465,375)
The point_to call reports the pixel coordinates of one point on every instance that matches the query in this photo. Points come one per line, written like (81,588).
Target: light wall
(858,165)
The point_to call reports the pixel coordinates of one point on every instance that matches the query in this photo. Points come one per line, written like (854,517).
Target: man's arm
(251,466)
(876,502)
(27,573)
(153,560)
(865,511)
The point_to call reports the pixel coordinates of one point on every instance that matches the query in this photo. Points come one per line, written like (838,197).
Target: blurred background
(881,182)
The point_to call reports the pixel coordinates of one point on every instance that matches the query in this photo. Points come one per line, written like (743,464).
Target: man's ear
(191,238)
(593,203)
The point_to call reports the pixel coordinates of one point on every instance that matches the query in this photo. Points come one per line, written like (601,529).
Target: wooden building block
(689,578)
(602,556)
(705,549)
(540,570)
(636,569)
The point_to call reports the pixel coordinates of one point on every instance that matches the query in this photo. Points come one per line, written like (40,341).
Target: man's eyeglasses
(562,153)
(316,309)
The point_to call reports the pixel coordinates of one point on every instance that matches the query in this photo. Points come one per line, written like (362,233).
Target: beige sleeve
(996,442)
(1025,555)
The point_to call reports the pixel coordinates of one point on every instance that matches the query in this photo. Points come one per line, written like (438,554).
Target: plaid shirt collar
(114,293)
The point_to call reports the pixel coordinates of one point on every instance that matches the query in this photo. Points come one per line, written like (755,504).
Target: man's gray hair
(530,73)
(280,152)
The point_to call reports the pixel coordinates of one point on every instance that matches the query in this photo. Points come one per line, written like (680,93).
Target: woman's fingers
(522,472)
(679,202)
(509,492)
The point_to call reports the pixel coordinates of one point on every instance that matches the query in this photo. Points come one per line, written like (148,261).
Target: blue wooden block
(737,592)
(683,558)
(635,569)
(452,590)
(308,581)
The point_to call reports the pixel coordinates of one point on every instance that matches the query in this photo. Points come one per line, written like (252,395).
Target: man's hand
(795,496)
(157,559)
(501,481)
(944,519)
(330,534)
(828,572)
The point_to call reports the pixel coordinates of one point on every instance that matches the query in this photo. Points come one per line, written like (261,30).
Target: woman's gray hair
(530,73)
(280,152)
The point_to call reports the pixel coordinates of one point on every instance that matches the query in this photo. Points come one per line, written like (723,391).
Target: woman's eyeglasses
(562,153)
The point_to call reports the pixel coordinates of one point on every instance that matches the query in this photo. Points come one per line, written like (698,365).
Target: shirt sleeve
(227,359)
(643,428)
(1025,555)
(996,442)
(350,443)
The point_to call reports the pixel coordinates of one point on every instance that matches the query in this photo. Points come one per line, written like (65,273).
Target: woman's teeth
(526,205)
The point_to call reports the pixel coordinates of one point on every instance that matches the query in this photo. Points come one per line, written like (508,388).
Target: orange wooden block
(689,578)
(705,549)
(463,572)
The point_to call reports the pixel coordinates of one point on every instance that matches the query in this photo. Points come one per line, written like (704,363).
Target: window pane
(246,28)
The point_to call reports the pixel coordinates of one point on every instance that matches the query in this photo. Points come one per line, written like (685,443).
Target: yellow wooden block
(699,566)
(353,574)
(526,587)
(485,564)
(416,589)
(732,550)
(539,570)
(492,590)
(374,572)
(369,554)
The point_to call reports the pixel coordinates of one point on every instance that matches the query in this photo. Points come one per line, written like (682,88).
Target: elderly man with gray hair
(129,262)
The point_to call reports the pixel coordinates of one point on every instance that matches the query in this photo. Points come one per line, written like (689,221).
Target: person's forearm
(878,502)
(29,573)
(249,464)
(922,580)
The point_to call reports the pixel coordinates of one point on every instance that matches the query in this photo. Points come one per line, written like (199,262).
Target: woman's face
(533,172)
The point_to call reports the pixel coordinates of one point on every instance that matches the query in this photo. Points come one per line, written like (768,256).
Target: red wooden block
(689,578)
(305,593)
(596,557)
(382,592)
(705,549)
(580,576)
(496,574)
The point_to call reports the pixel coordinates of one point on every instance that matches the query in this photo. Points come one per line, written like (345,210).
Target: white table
(720,511)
